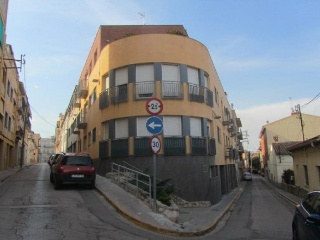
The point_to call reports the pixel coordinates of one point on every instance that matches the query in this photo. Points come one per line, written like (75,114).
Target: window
(171,86)
(141,127)
(195,127)
(170,73)
(93,96)
(6,120)
(219,134)
(105,131)
(216,96)
(193,76)
(121,88)
(306,174)
(172,126)
(144,81)
(121,128)
(106,84)
(93,135)
(9,124)
(121,76)
(8,88)
(214,171)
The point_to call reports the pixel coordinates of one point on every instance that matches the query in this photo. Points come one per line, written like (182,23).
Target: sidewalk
(292,199)
(192,221)
(7,173)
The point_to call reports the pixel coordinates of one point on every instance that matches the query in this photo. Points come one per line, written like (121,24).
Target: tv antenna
(143,16)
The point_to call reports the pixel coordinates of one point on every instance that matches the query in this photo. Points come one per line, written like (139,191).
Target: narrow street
(259,214)
(30,208)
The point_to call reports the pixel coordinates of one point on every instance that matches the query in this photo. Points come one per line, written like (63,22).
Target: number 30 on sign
(155,144)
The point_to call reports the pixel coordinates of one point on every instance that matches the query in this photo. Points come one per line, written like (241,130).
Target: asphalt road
(259,214)
(30,208)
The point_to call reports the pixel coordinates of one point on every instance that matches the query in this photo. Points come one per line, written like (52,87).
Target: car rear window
(77,161)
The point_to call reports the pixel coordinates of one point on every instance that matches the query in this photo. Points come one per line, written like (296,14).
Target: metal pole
(154,183)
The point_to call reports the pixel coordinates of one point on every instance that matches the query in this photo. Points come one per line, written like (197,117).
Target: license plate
(77,175)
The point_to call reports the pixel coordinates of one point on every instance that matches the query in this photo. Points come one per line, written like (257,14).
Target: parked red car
(73,168)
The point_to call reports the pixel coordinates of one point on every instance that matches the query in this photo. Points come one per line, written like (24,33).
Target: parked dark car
(53,158)
(73,168)
(306,219)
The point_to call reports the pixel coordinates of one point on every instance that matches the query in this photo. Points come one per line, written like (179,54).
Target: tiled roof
(308,143)
(282,148)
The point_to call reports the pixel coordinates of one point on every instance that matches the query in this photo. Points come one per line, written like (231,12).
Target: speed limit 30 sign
(155,144)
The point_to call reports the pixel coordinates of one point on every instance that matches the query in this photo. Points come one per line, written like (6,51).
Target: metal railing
(140,182)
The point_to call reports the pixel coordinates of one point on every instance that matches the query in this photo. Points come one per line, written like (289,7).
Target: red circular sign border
(161,106)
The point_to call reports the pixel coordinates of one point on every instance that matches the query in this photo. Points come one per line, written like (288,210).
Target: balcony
(196,93)
(172,90)
(119,94)
(82,120)
(19,133)
(142,147)
(83,88)
(174,146)
(77,103)
(104,99)
(199,146)
(120,148)
(144,90)
(225,123)
(209,97)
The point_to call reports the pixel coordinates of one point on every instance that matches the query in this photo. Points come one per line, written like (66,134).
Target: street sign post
(154,125)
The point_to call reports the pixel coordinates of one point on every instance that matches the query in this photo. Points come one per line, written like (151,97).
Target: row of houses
(106,116)
(292,143)
(18,143)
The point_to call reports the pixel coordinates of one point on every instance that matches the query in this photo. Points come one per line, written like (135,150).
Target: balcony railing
(196,93)
(172,90)
(174,146)
(82,120)
(83,88)
(199,146)
(209,97)
(142,147)
(120,148)
(119,94)
(104,99)
(144,90)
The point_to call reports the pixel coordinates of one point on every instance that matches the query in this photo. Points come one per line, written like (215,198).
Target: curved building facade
(107,116)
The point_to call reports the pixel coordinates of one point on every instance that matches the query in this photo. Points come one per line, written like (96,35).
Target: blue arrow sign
(154,125)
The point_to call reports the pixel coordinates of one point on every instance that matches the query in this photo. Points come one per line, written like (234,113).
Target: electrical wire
(315,98)
(42,117)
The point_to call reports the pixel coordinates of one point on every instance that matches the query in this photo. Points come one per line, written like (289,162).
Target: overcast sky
(266,52)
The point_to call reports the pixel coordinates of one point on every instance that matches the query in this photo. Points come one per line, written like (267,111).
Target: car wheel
(57,184)
(295,234)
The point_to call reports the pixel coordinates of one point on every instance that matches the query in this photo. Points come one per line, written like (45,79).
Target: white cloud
(255,117)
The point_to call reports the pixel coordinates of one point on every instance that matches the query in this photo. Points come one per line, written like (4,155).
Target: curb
(292,202)
(169,232)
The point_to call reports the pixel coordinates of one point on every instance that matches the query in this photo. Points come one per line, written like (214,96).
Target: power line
(42,117)
(315,98)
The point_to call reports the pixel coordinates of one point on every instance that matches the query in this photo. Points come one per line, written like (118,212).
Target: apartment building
(14,107)
(106,116)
